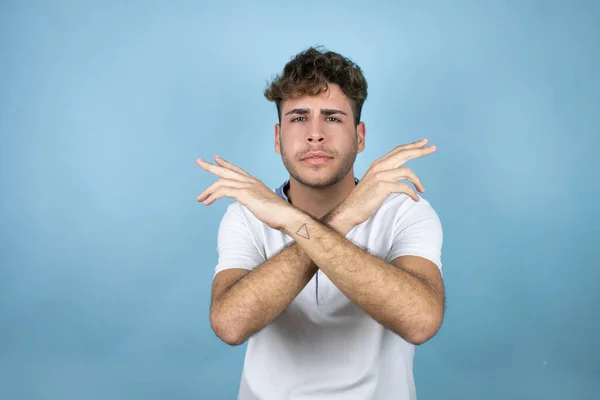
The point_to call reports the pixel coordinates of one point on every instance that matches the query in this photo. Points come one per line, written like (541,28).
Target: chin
(317,179)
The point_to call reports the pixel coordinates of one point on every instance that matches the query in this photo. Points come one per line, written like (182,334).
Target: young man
(332,280)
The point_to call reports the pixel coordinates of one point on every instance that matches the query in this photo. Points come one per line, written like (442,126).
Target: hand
(380,181)
(237,184)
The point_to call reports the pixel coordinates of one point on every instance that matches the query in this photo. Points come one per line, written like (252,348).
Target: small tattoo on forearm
(303,232)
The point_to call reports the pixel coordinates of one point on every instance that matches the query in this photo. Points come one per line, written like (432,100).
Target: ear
(361,131)
(277,138)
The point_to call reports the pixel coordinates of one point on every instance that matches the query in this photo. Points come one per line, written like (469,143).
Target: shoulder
(407,219)
(236,212)
(401,208)
(239,226)
(416,229)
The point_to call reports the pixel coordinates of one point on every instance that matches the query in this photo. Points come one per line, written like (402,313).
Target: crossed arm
(406,296)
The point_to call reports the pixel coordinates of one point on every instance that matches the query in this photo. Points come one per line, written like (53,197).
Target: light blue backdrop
(106,258)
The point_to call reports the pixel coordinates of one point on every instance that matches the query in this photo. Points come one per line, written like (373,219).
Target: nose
(315,135)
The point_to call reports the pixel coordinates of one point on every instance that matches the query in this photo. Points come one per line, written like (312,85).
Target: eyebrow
(324,111)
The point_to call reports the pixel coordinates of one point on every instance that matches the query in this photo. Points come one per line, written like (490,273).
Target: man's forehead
(315,103)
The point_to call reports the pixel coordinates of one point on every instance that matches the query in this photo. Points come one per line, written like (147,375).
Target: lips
(316,160)
(315,155)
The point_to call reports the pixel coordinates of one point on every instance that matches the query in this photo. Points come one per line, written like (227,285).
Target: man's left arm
(406,295)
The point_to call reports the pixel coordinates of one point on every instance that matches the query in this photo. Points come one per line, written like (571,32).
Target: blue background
(107,260)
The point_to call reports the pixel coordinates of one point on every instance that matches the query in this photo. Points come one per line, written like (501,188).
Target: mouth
(316,160)
(316,157)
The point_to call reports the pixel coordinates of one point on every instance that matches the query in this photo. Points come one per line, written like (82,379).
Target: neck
(318,202)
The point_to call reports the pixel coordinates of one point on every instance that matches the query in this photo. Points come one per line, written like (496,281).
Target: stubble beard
(322,181)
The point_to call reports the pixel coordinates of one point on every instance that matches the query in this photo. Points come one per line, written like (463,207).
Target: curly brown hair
(309,73)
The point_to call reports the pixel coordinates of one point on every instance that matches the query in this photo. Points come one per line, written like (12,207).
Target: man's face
(323,124)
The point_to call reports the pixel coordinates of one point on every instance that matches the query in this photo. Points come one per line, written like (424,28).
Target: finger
(402,173)
(227,164)
(220,193)
(219,184)
(397,187)
(414,145)
(221,171)
(403,156)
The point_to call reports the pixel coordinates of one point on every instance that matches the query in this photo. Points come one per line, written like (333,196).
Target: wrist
(294,218)
(340,220)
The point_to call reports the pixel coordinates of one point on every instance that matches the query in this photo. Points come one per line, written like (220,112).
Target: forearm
(261,295)
(394,297)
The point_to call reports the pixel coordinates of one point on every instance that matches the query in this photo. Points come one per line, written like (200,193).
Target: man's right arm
(244,302)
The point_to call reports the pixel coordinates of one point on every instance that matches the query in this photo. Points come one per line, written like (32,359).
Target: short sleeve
(237,244)
(418,232)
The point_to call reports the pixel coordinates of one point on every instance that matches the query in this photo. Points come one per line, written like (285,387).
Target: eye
(333,119)
(297,119)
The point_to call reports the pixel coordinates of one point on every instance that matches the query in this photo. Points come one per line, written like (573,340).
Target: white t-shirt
(322,346)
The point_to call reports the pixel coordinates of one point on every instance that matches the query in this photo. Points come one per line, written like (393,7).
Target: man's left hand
(380,181)
(237,184)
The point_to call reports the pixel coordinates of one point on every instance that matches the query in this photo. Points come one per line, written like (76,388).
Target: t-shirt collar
(281,189)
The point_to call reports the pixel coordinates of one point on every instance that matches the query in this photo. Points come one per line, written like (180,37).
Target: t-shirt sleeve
(237,244)
(418,232)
